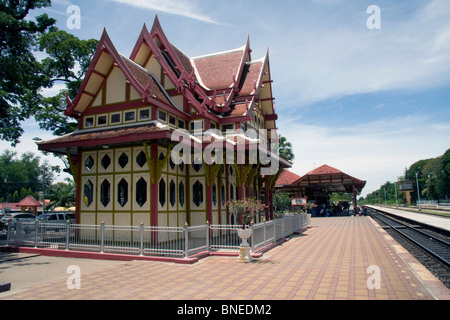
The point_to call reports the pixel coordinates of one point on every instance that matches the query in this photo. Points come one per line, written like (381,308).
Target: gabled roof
(332,179)
(286,178)
(219,71)
(324,169)
(210,82)
(29,201)
(104,58)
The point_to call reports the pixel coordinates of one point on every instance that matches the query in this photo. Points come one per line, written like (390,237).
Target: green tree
(285,149)
(23,76)
(67,61)
(26,172)
(281,201)
(16,197)
(62,194)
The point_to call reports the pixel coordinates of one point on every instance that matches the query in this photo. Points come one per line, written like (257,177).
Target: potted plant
(246,210)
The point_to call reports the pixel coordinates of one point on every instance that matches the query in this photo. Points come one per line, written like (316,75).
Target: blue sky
(368,102)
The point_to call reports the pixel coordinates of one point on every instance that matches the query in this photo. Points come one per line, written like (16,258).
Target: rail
(435,246)
(143,240)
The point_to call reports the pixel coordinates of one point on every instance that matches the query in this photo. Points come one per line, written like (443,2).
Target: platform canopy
(326,179)
(319,183)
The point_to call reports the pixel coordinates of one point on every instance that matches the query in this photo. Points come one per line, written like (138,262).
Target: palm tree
(285,149)
(62,194)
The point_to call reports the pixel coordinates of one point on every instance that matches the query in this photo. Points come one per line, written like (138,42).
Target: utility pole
(418,191)
(396,201)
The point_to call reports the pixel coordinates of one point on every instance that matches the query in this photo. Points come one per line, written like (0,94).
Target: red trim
(209,216)
(154,188)
(107,256)
(107,141)
(78,189)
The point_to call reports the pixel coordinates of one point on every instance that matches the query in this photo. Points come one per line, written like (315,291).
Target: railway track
(430,248)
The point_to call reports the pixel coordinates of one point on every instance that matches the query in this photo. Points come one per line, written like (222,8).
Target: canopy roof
(324,179)
(29,201)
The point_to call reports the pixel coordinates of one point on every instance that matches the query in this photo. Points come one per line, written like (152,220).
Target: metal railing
(149,241)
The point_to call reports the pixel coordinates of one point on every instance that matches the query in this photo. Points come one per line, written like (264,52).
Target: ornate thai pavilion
(128,110)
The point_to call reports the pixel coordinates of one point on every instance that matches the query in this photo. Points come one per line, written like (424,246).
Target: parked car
(58,217)
(21,216)
(15,217)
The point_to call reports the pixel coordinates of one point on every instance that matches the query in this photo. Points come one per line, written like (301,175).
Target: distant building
(28,204)
(318,184)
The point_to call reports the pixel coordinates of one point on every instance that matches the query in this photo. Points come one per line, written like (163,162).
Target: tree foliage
(62,194)
(66,60)
(26,175)
(21,74)
(433,177)
(285,149)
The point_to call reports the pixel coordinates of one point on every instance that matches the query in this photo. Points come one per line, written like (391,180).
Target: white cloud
(177,7)
(27,144)
(376,151)
(332,60)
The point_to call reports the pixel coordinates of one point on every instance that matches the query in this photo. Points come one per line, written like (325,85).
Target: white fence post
(186,240)
(141,239)
(67,234)
(102,237)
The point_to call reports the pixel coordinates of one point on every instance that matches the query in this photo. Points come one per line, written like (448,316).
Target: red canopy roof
(29,201)
(324,179)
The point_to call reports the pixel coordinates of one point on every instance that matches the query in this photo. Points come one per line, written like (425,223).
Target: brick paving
(327,262)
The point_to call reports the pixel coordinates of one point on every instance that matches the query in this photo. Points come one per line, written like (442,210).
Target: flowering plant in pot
(246,209)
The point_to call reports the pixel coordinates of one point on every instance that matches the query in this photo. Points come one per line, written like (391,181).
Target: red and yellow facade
(128,109)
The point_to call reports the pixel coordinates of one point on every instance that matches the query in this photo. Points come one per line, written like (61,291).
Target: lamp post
(396,202)
(418,192)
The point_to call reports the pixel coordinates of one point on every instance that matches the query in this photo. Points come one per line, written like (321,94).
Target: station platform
(428,219)
(338,258)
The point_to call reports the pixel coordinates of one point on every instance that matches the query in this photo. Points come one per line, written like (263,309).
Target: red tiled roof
(29,201)
(12,206)
(287,178)
(324,169)
(96,137)
(143,77)
(184,59)
(217,71)
(251,76)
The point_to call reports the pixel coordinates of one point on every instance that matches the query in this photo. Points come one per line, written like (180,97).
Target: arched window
(197,193)
(88,193)
(122,192)
(181,193)
(222,194)
(89,163)
(141,192)
(105,192)
(162,192)
(172,193)
(214,194)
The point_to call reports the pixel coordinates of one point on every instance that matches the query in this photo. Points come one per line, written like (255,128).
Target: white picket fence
(150,241)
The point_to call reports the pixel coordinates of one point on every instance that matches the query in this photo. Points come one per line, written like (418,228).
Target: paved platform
(329,261)
(429,219)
